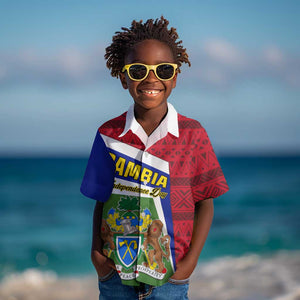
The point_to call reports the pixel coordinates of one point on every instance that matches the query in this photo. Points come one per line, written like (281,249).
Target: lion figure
(153,238)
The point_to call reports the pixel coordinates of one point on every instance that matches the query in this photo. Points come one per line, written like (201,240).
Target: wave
(33,284)
(249,277)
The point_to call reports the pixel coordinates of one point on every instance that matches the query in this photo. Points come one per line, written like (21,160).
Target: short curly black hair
(123,42)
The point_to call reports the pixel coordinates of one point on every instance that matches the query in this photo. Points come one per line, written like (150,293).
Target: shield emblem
(127,249)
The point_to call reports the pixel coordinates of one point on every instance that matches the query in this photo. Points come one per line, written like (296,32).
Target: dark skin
(204,212)
(103,264)
(150,107)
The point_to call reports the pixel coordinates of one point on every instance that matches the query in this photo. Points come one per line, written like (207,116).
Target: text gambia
(137,172)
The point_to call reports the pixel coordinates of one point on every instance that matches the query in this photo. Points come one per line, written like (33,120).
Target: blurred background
(55,90)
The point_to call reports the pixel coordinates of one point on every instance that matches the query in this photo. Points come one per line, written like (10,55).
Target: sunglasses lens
(137,71)
(165,71)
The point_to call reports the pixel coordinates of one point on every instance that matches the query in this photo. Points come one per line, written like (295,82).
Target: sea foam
(249,277)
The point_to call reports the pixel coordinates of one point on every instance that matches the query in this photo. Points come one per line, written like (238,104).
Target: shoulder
(114,126)
(189,124)
(191,132)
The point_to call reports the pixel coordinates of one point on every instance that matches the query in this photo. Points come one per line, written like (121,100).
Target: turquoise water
(45,223)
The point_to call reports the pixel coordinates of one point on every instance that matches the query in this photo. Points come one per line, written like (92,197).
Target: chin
(150,104)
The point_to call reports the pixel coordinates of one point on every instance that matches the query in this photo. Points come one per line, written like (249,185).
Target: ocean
(252,251)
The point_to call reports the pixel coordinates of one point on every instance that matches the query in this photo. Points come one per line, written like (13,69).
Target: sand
(249,277)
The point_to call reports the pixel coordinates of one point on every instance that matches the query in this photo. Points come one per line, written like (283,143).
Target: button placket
(144,155)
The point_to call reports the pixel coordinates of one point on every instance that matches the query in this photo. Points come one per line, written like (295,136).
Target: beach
(252,251)
(249,277)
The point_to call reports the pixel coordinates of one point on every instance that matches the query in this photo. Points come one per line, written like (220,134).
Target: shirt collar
(171,120)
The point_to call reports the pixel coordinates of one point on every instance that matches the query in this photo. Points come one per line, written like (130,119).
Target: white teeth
(150,92)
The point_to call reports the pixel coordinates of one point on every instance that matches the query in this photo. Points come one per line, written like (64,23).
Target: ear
(174,81)
(123,81)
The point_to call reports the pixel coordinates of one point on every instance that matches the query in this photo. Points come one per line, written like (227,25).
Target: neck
(150,119)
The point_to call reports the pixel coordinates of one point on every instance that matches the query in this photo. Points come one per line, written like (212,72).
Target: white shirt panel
(168,124)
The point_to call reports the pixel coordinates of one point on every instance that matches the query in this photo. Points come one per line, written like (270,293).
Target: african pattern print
(147,221)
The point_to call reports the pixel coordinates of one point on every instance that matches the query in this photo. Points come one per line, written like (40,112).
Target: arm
(204,211)
(101,263)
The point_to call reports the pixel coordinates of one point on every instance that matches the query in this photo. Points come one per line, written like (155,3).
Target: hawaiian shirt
(150,186)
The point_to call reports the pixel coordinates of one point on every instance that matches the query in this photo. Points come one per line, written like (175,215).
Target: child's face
(151,92)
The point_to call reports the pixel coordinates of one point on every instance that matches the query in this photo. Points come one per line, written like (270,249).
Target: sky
(243,85)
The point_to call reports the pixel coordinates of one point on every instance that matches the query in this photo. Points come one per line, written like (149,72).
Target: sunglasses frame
(150,68)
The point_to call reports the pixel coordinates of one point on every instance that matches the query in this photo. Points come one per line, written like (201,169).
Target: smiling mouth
(150,92)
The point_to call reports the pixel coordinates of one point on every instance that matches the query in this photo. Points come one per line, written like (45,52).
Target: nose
(151,76)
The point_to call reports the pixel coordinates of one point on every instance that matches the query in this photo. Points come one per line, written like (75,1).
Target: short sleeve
(209,180)
(99,175)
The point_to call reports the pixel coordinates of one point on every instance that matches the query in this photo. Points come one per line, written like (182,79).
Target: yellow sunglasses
(138,71)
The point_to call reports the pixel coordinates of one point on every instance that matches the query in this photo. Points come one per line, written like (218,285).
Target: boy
(153,173)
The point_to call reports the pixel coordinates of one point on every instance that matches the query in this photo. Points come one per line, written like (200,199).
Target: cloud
(273,56)
(216,63)
(68,67)
(223,52)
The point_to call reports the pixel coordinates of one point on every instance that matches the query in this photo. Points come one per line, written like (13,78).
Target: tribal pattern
(195,173)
